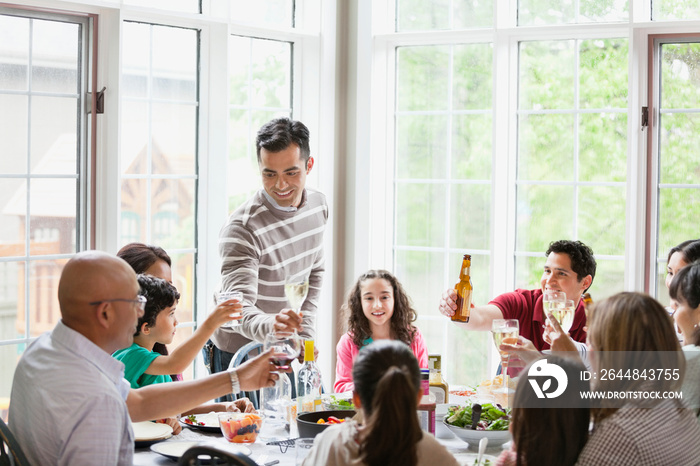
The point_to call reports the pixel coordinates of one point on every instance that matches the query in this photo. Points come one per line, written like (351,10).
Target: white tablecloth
(464,453)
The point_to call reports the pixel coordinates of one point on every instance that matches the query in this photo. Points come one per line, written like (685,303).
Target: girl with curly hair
(378,308)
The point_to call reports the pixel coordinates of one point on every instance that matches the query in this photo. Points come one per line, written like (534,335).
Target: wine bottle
(309,382)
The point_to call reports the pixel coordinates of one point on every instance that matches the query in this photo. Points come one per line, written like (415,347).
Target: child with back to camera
(387,391)
(378,308)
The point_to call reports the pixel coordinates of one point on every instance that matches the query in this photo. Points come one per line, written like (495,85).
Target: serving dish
(472,437)
(308,426)
(148,432)
(174,450)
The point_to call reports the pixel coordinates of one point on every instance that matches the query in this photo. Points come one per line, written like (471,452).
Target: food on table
(192,420)
(331,420)
(334,403)
(462,392)
(240,427)
(493,417)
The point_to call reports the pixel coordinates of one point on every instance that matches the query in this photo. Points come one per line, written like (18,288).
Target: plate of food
(208,422)
(492,423)
(148,432)
(174,450)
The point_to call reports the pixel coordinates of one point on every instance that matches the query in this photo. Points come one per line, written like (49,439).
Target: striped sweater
(261,245)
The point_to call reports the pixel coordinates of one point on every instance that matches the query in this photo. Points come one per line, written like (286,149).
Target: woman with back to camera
(548,432)
(637,431)
(387,390)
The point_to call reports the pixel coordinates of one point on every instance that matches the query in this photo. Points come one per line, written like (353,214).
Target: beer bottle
(464,291)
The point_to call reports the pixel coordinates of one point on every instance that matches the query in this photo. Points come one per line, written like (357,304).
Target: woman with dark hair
(378,308)
(636,431)
(680,256)
(387,391)
(550,432)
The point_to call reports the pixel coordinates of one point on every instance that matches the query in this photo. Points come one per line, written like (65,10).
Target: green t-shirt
(136,360)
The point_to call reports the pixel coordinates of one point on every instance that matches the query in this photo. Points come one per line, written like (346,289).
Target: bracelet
(235,384)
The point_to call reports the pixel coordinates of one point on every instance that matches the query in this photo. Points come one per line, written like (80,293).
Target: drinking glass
(295,289)
(504,331)
(286,346)
(223,296)
(563,312)
(552,299)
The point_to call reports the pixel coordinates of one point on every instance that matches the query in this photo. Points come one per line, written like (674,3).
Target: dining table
(265,454)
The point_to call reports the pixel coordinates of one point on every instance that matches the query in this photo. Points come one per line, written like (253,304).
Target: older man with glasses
(70,403)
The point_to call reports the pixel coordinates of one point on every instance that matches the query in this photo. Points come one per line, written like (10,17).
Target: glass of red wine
(276,401)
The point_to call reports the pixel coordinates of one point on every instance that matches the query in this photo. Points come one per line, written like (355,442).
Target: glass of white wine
(285,346)
(295,289)
(564,313)
(504,331)
(552,299)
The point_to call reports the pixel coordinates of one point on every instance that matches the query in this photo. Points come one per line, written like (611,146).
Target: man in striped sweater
(277,233)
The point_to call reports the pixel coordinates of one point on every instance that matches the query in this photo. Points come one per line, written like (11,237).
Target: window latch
(645,117)
(100,101)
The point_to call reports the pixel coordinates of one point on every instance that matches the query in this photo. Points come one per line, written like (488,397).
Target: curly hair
(582,260)
(159,295)
(401,321)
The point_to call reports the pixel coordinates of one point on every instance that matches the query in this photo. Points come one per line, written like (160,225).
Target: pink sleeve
(420,350)
(346,352)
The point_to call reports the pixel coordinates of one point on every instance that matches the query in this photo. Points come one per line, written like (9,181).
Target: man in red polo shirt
(570,267)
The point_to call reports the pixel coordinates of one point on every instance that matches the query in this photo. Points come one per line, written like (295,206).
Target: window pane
(13,134)
(528,271)
(679,140)
(13,298)
(187,6)
(470,216)
(260,89)
(544,214)
(603,80)
(52,206)
(44,311)
(9,356)
(680,64)
(603,147)
(174,139)
(546,147)
(420,214)
(422,146)
(546,75)
(472,147)
(422,78)
(679,210)
(609,278)
(174,63)
(472,84)
(664,10)
(268,12)
(173,222)
(13,217)
(420,273)
(414,15)
(134,137)
(55,55)
(14,53)
(53,135)
(541,12)
(605,233)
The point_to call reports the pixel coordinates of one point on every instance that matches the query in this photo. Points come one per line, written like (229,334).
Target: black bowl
(307,422)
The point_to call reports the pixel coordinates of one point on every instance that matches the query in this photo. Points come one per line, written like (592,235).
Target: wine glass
(295,289)
(504,331)
(563,312)
(552,299)
(286,346)
(223,296)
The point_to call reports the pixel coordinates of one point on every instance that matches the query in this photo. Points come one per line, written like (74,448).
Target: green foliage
(422,77)
(541,12)
(675,9)
(421,15)
(420,214)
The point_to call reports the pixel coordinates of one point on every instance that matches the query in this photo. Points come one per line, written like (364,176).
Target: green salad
(493,417)
(340,403)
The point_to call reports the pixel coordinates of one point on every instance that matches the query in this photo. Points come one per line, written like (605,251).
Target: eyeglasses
(140,302)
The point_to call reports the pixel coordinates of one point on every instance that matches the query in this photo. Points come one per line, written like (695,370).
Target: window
(545,146)
(43,78)
(674,164)
(260,85)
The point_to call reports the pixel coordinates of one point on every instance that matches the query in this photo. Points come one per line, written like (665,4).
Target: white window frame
(372,137)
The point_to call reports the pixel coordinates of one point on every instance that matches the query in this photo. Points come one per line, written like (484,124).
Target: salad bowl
(472,437)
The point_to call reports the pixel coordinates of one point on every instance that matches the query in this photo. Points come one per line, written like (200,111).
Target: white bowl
(472,437)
